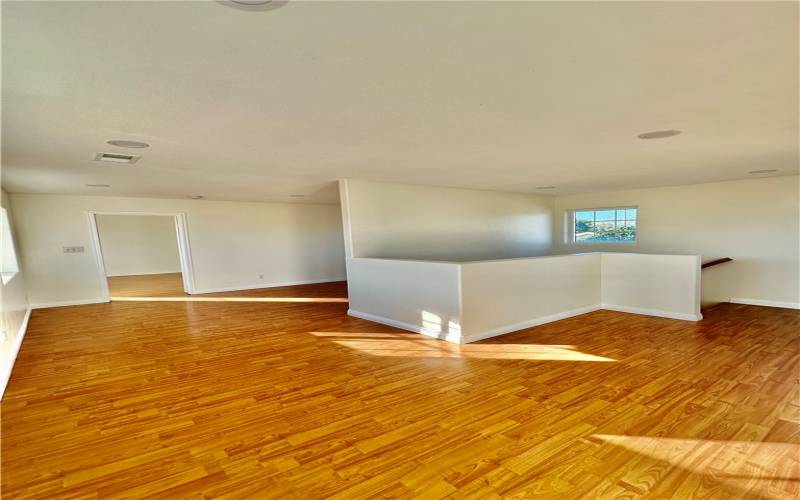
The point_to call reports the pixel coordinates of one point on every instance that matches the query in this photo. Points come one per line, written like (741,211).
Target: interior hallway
(267,398)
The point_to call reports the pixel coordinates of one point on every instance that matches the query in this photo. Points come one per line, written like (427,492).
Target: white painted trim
(97,253)
(344,202)
(653,312)
(142,274)
(530,323)
(267,285)
(184,249)
(185,253)
(11,357)
(465,339)
(766,303)
(82,302)
(450,337)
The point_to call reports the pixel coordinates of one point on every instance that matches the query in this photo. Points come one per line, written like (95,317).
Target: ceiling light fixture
(765,171)
(659,134)
(98,185)
(196,197)
(128,144)
(545,187)
(254,4)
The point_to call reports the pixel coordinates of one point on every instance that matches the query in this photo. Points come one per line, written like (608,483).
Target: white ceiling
(244,105)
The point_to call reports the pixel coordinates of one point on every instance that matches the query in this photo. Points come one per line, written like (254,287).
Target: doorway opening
(141,254)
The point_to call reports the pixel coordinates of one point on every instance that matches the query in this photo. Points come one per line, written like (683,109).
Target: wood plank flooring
(256,399)
(149,285)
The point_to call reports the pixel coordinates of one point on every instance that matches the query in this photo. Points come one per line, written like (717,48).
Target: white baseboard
(11,357)
(82,302)
(465,339)
(266,285)
(654,312)
(529,324)
(142,274)
(450,337)
(767,303)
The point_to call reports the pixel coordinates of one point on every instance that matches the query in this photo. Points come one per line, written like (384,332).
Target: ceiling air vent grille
(116,157)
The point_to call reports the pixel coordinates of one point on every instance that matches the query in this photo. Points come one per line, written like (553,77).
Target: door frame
(184,250)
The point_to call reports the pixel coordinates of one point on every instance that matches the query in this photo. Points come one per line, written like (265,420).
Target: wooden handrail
(716,262)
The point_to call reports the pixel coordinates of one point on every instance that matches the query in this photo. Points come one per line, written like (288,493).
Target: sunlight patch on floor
(417,346)
(736,464)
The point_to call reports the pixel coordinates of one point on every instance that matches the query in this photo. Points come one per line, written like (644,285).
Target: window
(604,225)
(8,256)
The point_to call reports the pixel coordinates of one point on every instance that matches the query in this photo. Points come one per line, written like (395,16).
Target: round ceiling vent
(254,4)
(128,144)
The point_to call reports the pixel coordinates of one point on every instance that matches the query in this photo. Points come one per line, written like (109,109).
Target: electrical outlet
(73,249)
(4,335)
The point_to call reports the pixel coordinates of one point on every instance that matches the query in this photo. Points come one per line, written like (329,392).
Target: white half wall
(414,295)
(402,221)
(232,243)
(658,285)
(756,222)
(138,244)
(502,296)
(468,301)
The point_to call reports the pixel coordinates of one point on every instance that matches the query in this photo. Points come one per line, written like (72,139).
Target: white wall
(138,244)
(506,295)
(753,221)
(231,242)
(468,301)
(661,285)
(414,295)
(13,310)
(435,223)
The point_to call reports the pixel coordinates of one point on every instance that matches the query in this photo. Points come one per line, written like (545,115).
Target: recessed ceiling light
(659,134)
(98,185)
(765,171)
(116,157)
(254,4)
(196,197)
(128,144)
(545,187)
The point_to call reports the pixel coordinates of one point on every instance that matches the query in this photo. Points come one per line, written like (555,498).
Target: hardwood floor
(149,285)
(296,399)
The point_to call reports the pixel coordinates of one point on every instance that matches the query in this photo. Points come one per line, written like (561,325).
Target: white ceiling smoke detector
(116,157)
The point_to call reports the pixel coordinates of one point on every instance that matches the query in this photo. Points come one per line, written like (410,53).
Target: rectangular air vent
(116,157)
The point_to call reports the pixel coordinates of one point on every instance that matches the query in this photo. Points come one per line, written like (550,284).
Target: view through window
(605,225)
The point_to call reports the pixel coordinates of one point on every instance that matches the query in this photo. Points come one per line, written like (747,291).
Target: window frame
(5,225)
(569,221)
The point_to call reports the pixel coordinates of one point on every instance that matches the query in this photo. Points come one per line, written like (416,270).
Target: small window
(8,255)
(604,225)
